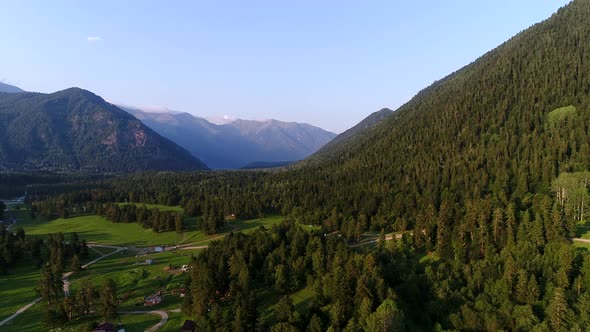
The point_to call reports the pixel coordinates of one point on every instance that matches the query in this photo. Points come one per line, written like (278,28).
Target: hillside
(236,144)
(75,130)
(10,88)
(482,129)
(339,145)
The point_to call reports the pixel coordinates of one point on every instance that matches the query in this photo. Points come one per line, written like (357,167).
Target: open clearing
(98,229)
(156,206)
(17,289)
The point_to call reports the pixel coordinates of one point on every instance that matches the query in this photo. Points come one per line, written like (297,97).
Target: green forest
(475,191)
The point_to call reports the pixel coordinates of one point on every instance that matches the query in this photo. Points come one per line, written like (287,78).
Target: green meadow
(98,229)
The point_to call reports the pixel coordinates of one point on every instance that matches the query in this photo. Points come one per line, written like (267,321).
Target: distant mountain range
(238,143)
(76,130)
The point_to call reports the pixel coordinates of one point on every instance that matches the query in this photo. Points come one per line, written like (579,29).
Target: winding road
(66,275)
(161,313)
(19,311)
(67,282)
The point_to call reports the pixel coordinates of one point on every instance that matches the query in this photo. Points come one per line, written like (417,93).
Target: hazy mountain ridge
(7,88)
(238,143)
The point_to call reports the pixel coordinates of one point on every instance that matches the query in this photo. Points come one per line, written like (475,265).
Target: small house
(149,261)
(158,249)
(105,327)
(188,326)
(153,300)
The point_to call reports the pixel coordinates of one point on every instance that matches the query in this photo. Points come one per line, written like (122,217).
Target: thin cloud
(94,39)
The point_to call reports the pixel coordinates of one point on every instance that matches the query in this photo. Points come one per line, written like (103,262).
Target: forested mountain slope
(483,129)
(75,130)
(339,144)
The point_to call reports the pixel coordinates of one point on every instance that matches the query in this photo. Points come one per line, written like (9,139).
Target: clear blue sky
(328,63)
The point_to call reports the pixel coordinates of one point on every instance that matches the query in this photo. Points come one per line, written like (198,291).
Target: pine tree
(365,310)
(85,297)
(557,311)
(83,249)
(108,300)
(239,324)
(582,307)
(284,309)
(387,318)
(497,225)
(510,224)
(315,324)
(521,290)
(69,304)
(76,265)
(45,285)
(533,292)
(178,223)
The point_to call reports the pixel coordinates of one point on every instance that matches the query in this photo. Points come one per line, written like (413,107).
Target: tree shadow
(582,229)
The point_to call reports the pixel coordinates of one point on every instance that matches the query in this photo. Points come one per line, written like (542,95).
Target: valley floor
(134,278)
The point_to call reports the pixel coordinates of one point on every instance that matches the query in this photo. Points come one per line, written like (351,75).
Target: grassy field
(17,289)
(134,281)
(581,246)
(583,231)
(30,321)
(268,300)
(156,206)
(175,321)
(100,230)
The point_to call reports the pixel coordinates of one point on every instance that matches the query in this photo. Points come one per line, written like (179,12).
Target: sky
(327,63)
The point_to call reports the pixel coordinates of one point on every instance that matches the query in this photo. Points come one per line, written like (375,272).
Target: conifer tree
(557,311)
(109,302)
